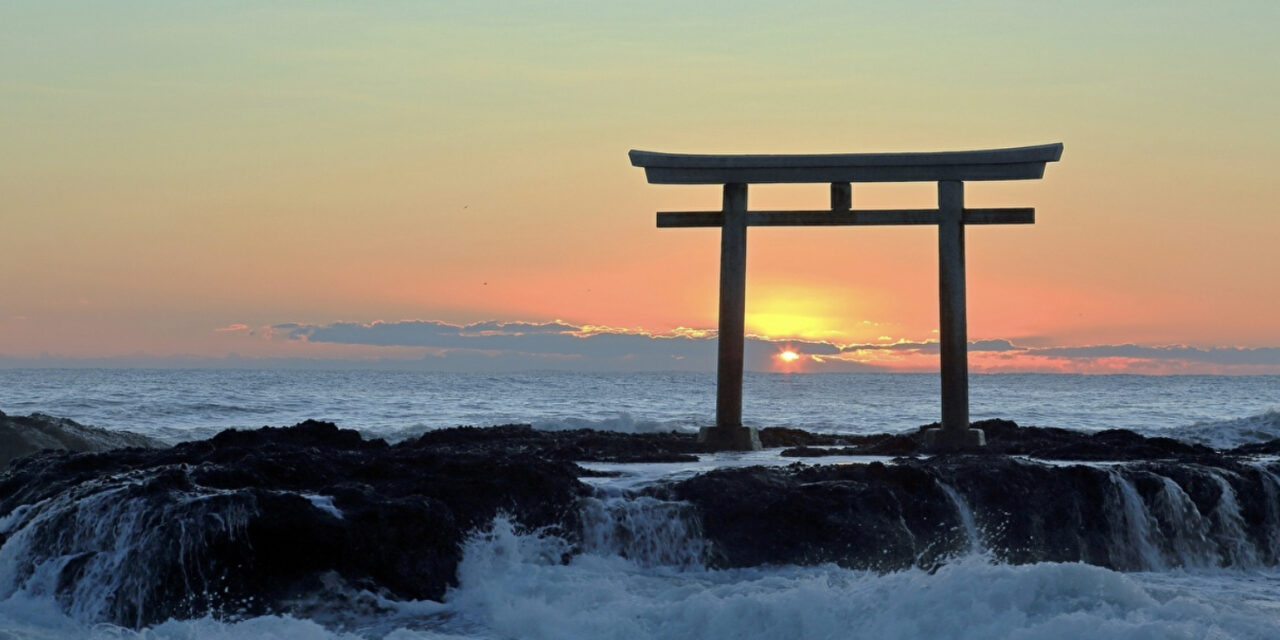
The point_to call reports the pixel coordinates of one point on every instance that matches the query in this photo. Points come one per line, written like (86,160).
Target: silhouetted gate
(950,169)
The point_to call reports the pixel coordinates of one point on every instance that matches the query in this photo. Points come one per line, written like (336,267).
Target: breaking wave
(1228,434)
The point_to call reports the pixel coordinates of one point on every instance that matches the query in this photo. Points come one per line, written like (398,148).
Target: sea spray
(1233,432)
(103,549)
(512,586)
(515,584)
(643,529)
(967,522)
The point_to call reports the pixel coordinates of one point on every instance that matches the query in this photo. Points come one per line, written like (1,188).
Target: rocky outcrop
(568,446)
(24,435)
(266,521)
(1005,437)
(247,523)
(1215,511)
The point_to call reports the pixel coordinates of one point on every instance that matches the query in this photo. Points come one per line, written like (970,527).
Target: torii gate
(950,169)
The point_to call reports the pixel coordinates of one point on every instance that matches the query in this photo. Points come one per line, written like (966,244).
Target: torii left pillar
(729,434)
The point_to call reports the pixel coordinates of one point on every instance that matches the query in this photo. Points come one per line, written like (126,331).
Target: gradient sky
(203,179)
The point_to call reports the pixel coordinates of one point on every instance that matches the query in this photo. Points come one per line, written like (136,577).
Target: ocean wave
(516,584)
(1228,434)
(621,422)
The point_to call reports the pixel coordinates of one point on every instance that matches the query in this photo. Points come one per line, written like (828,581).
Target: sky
(446,184)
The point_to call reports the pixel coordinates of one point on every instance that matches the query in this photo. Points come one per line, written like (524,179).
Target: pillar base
(954,439)
(730,438)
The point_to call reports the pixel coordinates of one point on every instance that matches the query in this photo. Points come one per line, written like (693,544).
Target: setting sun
(789,356)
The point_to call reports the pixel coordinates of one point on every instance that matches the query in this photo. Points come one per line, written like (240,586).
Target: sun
(788,360)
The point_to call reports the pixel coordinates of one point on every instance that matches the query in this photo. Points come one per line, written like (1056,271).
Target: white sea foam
(643,529)
(323,503)
(621,422)
(525,596)
(515,585)
(1228,434)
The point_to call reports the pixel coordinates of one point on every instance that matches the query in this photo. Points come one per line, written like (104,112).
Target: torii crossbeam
(950,169)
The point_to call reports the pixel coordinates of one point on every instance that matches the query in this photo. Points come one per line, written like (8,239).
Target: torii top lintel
(1019,163)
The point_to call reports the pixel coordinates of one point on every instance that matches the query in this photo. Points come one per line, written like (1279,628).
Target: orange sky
(172,169)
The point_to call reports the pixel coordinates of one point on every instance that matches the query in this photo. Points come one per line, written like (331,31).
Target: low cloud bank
(556,345)
(512,345)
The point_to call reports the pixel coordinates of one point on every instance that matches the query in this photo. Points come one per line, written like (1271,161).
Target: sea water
(185,404)
(651,583)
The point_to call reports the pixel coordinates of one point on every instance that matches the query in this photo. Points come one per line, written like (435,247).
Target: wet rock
(788,437)
(24,435)
(1005,437)
(887,517)
(246,523)
(1269,448)
(580,445)
(269,520)
(863,516)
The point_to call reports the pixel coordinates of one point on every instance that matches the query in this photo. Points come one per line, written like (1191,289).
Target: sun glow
(783,311)
(788,356)
(788,325)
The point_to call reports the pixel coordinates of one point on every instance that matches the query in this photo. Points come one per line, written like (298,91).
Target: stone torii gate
(950,169)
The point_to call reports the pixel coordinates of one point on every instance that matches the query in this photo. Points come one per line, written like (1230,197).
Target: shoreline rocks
(261,521)
(1007,438)
(25,435)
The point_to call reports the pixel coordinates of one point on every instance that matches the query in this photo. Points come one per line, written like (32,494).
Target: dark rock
(1268,448)
(579,445)
(24,435)
(864,516)
(771,437)
(268,520)
(1005,437)
(247,522)
(887,517)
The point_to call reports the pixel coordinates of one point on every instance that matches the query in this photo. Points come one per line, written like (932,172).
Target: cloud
(925,347)
(232,328)
(494,327)
(500,345)
(993,345)
(494,344)
(1215,355)
(1212,355)
(931,346)
(380,334)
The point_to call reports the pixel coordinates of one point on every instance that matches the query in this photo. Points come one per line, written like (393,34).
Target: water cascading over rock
(248,523)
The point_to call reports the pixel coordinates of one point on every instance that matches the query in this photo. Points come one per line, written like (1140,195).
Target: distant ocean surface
(186,404)
(513,584)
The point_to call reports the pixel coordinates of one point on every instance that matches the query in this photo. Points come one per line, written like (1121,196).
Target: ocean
(652,584)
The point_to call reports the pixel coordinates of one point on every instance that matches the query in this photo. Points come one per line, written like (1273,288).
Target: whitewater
(642,571)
